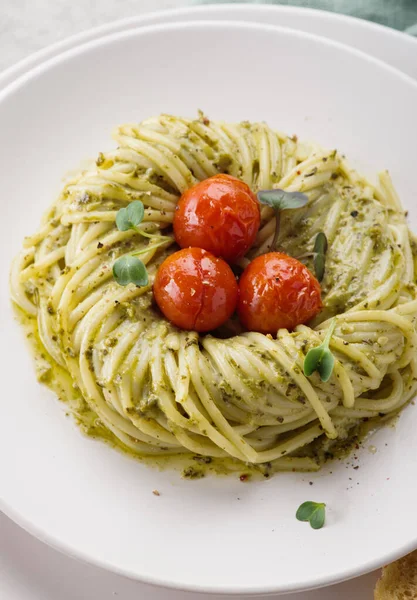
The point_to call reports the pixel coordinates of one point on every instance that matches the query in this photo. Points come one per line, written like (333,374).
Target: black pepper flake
(312,172)
(204,460)
(311,482)
(191,473)
(100,245)
(356,468)
(354,213)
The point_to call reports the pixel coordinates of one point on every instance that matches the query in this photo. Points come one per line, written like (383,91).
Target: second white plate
(393,47)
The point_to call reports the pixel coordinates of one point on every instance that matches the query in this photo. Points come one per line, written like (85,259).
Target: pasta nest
(236,398)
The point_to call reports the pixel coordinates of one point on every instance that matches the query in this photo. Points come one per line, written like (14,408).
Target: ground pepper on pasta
(230,400)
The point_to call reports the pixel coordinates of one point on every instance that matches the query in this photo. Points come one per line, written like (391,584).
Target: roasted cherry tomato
(277,291)
(219,214)
(195,290)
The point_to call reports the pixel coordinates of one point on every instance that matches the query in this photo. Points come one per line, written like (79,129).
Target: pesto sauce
(191,466)
(58,380)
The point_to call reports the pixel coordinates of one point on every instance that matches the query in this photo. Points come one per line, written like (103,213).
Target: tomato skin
(219,214)
(277,291)
(195,290)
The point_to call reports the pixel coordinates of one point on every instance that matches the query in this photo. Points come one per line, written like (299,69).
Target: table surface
(29,26)
(30,570)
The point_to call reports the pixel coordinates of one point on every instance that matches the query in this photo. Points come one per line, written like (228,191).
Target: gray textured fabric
(399,14)
(28,25)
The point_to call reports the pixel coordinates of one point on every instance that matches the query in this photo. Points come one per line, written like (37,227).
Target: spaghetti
(238,399)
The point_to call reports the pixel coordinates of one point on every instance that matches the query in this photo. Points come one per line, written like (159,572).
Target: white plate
(31,570)
(95,503)
(393,47)
(22,576)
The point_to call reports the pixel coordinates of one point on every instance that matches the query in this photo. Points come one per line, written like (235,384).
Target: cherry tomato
(195,290)
(277,291)
(219,214)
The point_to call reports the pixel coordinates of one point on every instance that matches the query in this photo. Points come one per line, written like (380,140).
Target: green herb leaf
(131,216)
(129,269)
(305,511)
(320,243)
(321,359)
(314,512)
(312,360)
(281,200)
(318,518)
(319,253)
(319,262)
(326,365)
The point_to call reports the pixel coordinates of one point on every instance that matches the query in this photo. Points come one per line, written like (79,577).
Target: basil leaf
(131,216)
(282,200)
(129,269)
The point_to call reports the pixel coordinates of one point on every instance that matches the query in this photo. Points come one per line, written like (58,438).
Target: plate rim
(62,546)
(39,56)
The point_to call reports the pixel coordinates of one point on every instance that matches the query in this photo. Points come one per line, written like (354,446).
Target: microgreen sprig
(281,200)
(321,359)
(313,512)
(130,269)
(131,216)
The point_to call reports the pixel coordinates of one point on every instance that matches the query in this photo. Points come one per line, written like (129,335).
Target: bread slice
(399,580)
